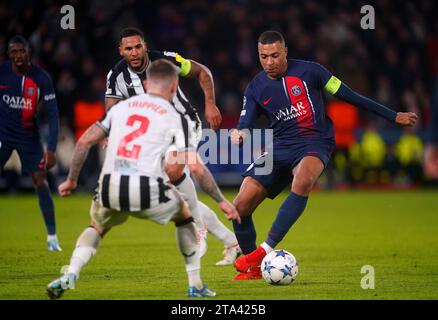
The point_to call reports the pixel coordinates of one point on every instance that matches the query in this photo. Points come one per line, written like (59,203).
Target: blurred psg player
(24,89)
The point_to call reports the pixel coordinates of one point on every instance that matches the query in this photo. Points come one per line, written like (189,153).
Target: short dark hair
(129,32)
(161,69)
(18,39)
(271,36)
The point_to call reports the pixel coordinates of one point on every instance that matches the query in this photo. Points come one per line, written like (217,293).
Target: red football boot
(250,262)
(255,274)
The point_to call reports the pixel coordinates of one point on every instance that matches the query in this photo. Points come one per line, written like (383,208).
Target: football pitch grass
(394,232)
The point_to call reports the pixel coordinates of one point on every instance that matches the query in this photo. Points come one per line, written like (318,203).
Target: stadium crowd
(395,64)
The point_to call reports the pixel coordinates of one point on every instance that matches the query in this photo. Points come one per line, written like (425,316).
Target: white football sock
(86,247)
(188,246)
(52,237)
(195,279)
(215,226)
(267,247)
(187,188)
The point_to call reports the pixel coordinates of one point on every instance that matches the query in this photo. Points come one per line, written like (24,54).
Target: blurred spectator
(409,153)
(230,103)
(431,151)
(64,150)
(373,152)
(85,114)
(345,120)
(87,111)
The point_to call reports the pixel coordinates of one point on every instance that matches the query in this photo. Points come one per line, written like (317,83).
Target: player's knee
(243,207)
(39,183)
(179,222)
(183,212)
(303,185)
(100,230)
(174,171)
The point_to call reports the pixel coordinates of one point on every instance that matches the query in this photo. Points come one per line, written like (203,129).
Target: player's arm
(109,102)
(207,183)
(332,85)
(192,69)
(94,134)
(340,90)
(51,108)
(205,80)
(247,118)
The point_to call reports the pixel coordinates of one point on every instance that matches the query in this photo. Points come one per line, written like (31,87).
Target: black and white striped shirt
(123,82)
(131,192)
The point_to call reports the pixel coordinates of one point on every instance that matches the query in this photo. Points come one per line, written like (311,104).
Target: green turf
(395,232)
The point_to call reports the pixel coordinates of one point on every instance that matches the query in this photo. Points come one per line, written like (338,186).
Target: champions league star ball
(279,267)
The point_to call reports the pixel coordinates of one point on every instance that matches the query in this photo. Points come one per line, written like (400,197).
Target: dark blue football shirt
(21,98)
(293,103)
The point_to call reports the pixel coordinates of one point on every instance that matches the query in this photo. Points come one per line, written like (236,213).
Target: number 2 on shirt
(134,153)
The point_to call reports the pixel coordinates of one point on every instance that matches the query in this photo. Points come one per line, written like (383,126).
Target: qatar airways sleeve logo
(17,102)
(49,97)
(291,112)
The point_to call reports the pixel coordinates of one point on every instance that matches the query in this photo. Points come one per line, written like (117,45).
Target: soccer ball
(279,267)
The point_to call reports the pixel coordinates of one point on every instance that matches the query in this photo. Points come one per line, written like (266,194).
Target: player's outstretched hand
(237,136)
(213,116)
(406,118)
(67,187)
(50,159)
(229,210)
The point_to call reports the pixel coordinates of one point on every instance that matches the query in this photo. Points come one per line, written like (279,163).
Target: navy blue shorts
(31,157)
(284,160)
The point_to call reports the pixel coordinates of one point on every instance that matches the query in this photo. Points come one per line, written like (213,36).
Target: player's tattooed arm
(205,179)
(93,135)
(205,79)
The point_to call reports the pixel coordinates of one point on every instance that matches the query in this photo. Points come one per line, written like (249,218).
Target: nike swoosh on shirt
(265,102)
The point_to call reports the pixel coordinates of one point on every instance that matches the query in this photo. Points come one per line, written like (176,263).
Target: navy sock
(245,234)
(48,209)
(289,212)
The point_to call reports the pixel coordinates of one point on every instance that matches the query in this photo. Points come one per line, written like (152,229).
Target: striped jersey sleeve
(112,89)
